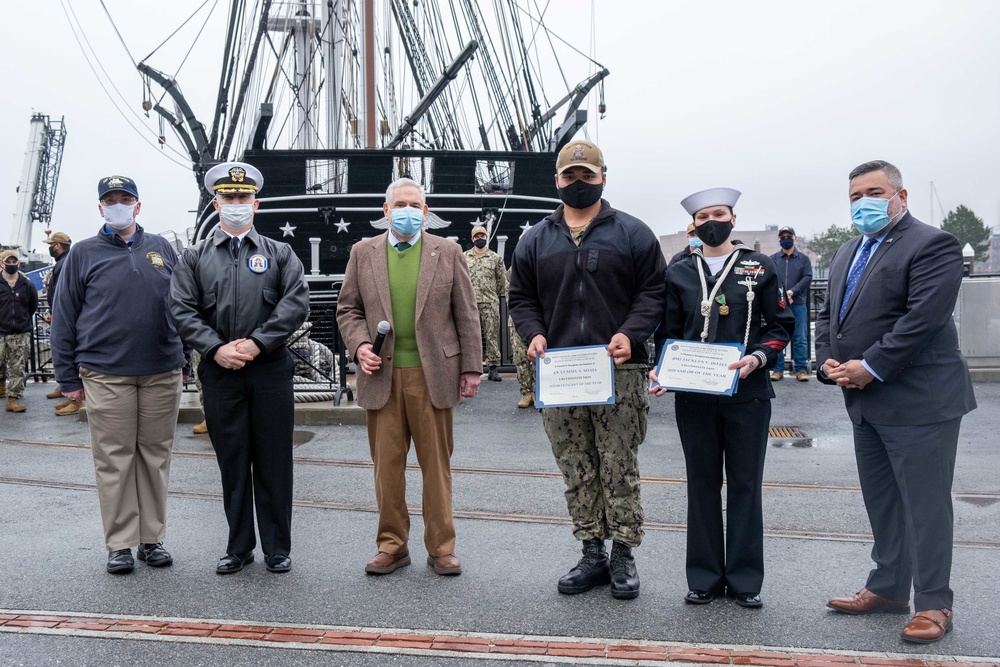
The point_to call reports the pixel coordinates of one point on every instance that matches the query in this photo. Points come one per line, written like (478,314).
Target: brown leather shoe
(384,563)
(14,405)
(72,408)
(926,627)
(776,376)
(55,393)
(866,602)
(802,376)
(200,429)
(445,565)
(63,404)
(527,400)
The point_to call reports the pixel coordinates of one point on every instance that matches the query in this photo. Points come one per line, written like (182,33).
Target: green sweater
(404,267)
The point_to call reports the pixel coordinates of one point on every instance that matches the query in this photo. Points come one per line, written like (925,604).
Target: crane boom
(36,191)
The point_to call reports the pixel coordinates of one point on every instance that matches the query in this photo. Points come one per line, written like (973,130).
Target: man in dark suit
(886,336)
(418,283)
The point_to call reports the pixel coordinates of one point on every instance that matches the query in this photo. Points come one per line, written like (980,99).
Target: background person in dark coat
(18,303)
(886,336)
(795,270)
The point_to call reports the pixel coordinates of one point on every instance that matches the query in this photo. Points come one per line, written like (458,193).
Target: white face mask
(236,216)
(118,216)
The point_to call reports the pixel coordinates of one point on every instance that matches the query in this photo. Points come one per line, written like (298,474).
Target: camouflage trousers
(14,349)
(596,448)
(525,367)
(489,322)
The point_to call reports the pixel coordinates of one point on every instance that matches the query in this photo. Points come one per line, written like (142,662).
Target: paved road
(513,538)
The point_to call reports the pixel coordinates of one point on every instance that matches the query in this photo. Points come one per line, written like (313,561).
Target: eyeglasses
(111,200)
(782,238)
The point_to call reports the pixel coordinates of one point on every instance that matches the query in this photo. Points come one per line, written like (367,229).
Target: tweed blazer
(447,320)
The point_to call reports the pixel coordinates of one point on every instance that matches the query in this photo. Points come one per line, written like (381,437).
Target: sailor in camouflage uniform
(525,366)
(489,280)
(18,302)
(591,275)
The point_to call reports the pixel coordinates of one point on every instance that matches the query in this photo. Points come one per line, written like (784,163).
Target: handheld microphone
(383,329)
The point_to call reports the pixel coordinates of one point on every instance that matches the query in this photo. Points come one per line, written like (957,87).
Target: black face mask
(11,268)
(52,252)
(581,194)
(479,243)
(714,232)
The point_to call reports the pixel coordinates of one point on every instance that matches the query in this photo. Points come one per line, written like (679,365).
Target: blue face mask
(870,215)
(695,243)
(787,244)
(406,221)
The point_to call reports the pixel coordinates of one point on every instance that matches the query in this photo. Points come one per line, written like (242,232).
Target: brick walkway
(444,644)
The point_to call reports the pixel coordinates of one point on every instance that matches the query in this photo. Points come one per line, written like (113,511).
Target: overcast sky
(777,99)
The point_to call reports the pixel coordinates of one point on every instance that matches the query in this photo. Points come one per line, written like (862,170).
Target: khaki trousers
(132,421)
(408,414)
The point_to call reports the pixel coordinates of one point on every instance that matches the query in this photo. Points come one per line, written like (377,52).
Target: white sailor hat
(711,197)
(234,177)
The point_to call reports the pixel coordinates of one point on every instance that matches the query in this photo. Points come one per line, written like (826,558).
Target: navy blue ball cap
(112,183)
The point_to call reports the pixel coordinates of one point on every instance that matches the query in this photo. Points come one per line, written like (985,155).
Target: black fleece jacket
(583,295)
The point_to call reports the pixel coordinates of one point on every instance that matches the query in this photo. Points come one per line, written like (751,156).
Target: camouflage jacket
(488,275)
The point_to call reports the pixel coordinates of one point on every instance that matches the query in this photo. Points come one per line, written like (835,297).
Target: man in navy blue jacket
(795,270)
(114,342)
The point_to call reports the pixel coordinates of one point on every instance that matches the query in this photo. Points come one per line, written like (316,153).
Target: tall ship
(334,99)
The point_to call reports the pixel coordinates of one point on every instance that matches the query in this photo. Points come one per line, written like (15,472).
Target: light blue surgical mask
(695,243)
(870,215)
(406,221)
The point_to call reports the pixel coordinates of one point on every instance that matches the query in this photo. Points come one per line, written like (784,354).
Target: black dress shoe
(696,596)
(154,555)
(624,575)
(750,600)
(592,570)
(121,561)
(231,563)
(278,563)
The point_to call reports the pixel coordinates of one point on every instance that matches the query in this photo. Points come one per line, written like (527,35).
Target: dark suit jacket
(447,320)
(899,320)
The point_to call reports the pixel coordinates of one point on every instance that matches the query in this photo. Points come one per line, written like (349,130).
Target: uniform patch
(258,263)
(749,270)
(156,259)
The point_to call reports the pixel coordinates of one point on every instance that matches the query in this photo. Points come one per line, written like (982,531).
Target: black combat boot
(624,576)
(592,570)
(494,375)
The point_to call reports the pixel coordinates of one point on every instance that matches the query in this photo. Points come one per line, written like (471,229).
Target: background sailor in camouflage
(525,367)
(599,462)
(59,244)
(489,280)
(18,302)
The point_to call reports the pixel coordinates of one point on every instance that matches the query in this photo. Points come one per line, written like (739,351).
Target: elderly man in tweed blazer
(419,284)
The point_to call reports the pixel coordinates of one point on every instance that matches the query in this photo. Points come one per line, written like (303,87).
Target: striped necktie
(854,277)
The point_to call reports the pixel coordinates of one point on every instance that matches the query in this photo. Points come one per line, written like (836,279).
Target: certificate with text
(575,376)
(702,367)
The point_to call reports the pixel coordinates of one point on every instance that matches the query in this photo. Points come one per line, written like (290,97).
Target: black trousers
(251,417)
(719,436)
(906,474)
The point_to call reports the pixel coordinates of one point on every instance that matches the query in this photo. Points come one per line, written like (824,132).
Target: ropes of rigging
(77,30)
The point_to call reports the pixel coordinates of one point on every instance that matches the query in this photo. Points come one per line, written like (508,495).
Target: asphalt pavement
(513,537)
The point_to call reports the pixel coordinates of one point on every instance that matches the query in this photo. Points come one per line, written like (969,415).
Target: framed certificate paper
(703,367)
(575,376)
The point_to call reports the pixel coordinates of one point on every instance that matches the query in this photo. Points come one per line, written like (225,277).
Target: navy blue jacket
(574,296)
(110,313)
(795,271)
